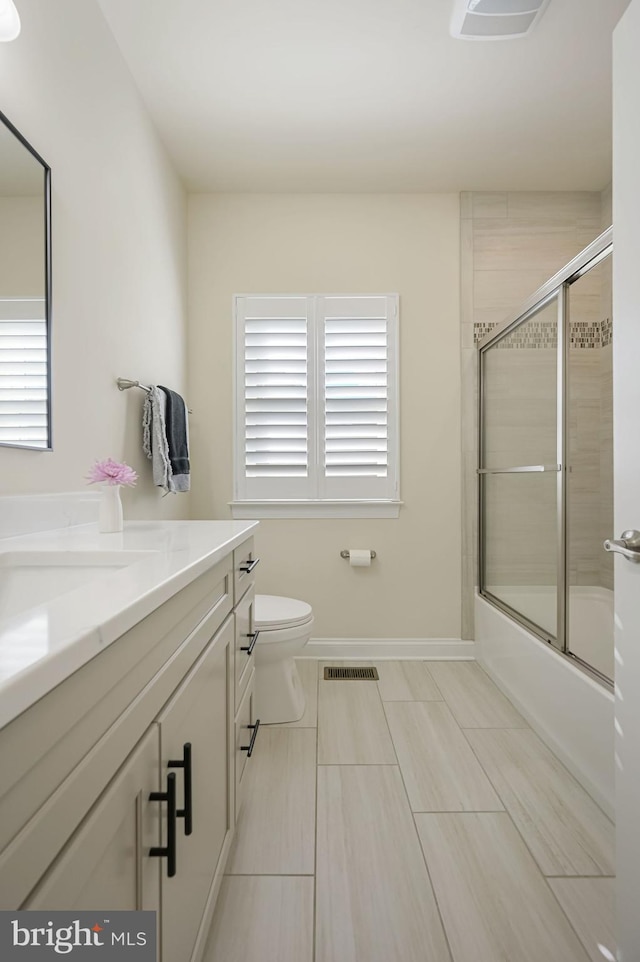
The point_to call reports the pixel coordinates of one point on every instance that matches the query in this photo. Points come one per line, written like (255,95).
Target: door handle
(628,545)
(168,851)
(249,648)
(249,748)
(185,763)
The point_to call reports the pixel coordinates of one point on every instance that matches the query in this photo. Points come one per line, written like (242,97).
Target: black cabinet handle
(248,566)
(170,851)
(249,648)
(249,748)
(185,763)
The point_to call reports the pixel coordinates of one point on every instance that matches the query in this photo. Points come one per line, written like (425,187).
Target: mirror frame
(47,281)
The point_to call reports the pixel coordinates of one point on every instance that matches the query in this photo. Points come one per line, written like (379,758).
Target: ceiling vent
(495,19)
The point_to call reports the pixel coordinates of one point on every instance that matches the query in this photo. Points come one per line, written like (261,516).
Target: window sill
(250,510)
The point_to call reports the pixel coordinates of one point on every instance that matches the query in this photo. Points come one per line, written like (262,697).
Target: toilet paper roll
(359,557)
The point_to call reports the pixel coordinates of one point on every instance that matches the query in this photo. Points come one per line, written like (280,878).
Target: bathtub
(590,618)
(570,710)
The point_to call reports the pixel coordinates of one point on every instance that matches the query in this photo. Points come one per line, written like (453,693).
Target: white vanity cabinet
(245,734)
(136,850)
(246,725)
(245,643)
(122,781)
(245,561)
(194,733)
(105,866)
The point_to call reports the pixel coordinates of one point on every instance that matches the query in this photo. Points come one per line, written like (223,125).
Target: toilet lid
(274,611)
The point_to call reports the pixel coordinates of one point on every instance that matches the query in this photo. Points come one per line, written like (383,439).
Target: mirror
(25,293)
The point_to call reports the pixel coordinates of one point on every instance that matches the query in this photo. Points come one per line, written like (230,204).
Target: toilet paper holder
(345,554)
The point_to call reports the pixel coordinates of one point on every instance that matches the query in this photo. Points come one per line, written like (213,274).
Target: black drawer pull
(248,566)
(187,812)
(249,748)
(170,851)
(249,648)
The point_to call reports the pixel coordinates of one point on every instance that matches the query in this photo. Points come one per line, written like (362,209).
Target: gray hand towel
(178,439)
(154,438)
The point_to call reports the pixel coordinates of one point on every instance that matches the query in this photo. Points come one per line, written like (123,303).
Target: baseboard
(406,648)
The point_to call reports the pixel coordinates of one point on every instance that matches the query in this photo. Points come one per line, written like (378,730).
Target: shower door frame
(556,288)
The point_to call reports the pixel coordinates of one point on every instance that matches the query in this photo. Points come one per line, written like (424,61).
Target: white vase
(110,517)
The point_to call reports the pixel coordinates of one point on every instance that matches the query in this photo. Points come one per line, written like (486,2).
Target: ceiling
(371,95)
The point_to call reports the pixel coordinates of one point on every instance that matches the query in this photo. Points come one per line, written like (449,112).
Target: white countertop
(43,645)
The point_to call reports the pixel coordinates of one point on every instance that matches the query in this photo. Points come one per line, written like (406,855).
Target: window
(23,372)
(316,404)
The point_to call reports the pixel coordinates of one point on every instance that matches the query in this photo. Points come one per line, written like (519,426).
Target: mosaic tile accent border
(480,330)
(585,335)
(533,334)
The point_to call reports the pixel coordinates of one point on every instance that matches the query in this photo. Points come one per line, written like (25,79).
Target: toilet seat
(276,613)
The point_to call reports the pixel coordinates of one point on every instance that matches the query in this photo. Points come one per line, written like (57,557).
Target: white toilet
(285,626)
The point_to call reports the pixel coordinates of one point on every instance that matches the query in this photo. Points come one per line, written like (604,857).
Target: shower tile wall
(511,244)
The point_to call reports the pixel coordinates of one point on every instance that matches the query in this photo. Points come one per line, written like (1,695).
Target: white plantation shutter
(358,347)
(273,430)
(316,409)
(23,372)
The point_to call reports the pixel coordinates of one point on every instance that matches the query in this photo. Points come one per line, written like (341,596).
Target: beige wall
(342,243)
(511,244)
(119,247)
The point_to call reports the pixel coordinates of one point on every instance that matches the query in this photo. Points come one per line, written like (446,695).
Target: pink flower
(113,472)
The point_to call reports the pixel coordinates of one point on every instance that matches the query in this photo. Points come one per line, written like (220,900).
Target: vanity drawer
(246,638)
(244,564)
(246,732)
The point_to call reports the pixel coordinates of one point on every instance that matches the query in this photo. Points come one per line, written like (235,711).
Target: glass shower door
(590,627)
(520,490)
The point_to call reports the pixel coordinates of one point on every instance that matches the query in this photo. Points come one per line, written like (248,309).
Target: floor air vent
(351,674)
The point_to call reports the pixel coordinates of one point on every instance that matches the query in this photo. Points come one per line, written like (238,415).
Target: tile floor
(416,819)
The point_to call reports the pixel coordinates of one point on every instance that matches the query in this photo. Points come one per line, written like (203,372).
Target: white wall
(342,243)
(119,247)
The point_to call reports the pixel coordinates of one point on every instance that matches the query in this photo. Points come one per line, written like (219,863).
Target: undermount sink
(31,578)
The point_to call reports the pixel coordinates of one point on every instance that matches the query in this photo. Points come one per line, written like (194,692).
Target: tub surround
(42,645)
(570,711)
(590,618)
(511,243)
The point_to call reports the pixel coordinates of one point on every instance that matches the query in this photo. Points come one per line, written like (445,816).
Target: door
(589,480)
(626,432)
(194,729)
(521,483)
(106,864)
